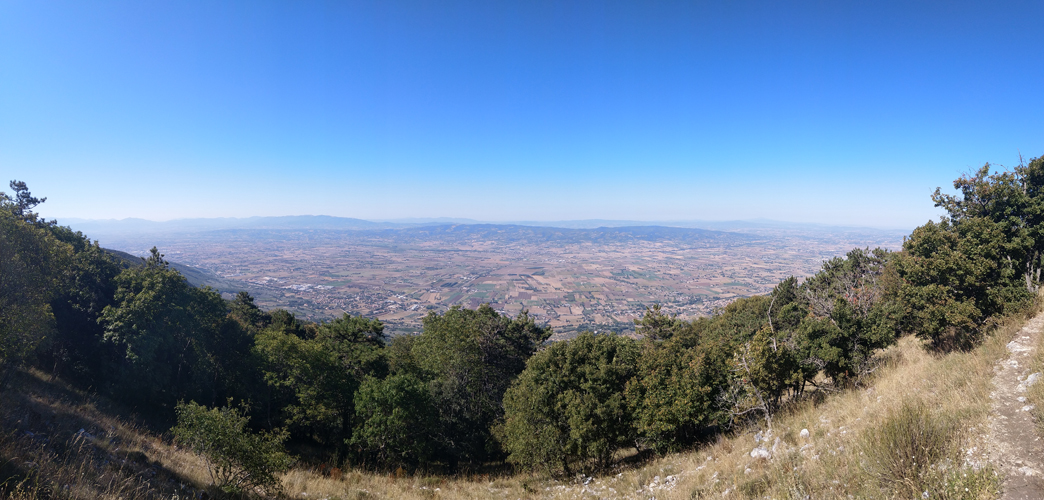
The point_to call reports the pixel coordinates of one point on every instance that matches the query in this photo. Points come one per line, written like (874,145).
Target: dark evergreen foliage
(475,386)
(568,411)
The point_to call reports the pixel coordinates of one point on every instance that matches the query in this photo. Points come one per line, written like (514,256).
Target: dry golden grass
(123,460)
(1035,392)
(58,442)
(832,462)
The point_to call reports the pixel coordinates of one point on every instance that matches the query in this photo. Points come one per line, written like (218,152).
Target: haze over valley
(571,278)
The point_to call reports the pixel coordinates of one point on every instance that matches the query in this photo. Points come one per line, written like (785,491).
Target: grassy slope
(60,442)
(1035,392)
(840,458)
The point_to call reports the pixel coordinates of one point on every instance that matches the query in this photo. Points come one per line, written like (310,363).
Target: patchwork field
(570,279)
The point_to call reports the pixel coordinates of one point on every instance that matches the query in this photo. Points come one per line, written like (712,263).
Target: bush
(764,369)
(568,409)
(238,460)
(902,451)
(675,392)
(396,419)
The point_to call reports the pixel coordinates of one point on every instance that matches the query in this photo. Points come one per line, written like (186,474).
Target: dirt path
(1015,447)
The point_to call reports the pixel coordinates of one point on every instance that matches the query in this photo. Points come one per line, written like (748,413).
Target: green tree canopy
(33,266)
(322,374)
(469,358)
(851,315)
(396,420)
(163,326)
(675,392)
(568,411)
(955,279)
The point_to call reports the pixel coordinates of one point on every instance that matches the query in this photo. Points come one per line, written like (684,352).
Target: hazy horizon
(464,220)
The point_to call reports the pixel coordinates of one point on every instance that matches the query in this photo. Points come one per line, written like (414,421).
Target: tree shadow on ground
(60,442)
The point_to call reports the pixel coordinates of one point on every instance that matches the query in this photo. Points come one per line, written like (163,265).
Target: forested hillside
(477,391)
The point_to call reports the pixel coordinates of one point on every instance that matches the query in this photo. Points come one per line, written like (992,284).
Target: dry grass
(840,458)
(832,462)
(944,399)
(1035,391)
(58,442)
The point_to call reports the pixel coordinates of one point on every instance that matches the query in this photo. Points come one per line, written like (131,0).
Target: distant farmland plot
(566,278)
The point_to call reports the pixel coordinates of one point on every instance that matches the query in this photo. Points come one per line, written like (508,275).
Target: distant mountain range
(122,226)
(456,235)
(510,233)
(284,240)
(102,227)
(728,225)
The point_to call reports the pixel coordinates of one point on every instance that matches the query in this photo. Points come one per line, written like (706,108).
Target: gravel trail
(1015,447)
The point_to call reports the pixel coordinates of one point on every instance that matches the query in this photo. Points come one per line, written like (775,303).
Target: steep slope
(60,442)
(195,276)
(832,445)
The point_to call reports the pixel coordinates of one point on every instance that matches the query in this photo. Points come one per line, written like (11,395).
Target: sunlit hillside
(60,442)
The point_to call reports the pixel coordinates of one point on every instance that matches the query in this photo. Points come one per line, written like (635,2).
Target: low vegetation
(237,459)
(868,379)
(115,458)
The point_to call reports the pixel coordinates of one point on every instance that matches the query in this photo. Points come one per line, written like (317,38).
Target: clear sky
(836,112)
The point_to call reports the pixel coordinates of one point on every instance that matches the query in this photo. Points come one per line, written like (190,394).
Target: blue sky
(830,112)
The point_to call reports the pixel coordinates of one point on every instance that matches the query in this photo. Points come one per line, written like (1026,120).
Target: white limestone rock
(760,452)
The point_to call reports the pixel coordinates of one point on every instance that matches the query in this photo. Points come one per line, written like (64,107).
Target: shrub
(674,394)
(396,420)
(567,409)
(764,369)
(902,451)
(238,460)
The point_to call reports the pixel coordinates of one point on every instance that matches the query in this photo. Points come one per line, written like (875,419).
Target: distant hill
(538,234)
(458,234)
(141,226)
(123,227)
(120,232)
(195,276)
(138,234)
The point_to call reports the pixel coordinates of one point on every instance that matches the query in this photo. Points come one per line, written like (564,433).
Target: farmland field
(570,279)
